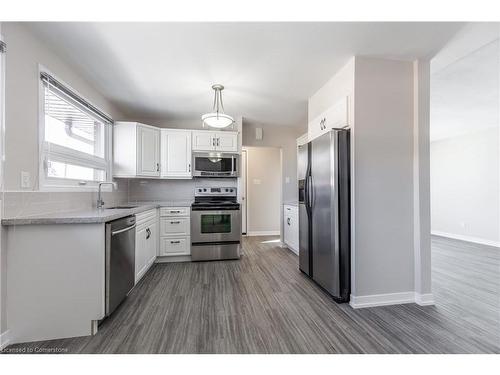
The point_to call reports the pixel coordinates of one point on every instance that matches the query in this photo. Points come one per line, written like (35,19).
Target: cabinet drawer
(174,226)
(145,216)
(175,211)
(175,246)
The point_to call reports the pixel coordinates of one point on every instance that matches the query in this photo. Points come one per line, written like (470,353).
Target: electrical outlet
(25,180)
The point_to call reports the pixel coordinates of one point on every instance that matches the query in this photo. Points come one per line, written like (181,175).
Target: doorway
(464,178)
(260,186)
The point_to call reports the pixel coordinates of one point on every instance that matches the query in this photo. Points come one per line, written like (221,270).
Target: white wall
(24,52)
(465,187)
(263,190)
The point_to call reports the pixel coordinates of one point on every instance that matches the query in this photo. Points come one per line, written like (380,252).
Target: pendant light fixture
(217,118)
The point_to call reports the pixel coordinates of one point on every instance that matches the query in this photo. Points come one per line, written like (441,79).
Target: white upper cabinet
(337,116)
(203,141)
(148,144)
(176,153)
(215,141)
(136,150)
(227,141)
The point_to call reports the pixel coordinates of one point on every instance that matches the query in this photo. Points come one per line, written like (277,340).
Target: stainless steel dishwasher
(120,261)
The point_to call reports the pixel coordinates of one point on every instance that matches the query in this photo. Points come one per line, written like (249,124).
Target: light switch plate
(25,180)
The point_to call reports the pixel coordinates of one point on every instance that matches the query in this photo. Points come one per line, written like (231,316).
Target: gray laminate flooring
(263,304)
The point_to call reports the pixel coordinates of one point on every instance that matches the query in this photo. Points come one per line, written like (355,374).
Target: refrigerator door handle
(310,194)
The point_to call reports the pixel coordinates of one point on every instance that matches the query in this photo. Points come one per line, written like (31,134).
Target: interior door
(243,191)
(325,243)
(149,151)
(176,154)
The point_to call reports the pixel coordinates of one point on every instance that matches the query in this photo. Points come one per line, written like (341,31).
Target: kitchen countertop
(295,204)
(94,216)
(172,203)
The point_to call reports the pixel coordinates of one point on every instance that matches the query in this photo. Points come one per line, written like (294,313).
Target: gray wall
(284,137)
(383,172)
(381,118)
(465,187)
(25,52)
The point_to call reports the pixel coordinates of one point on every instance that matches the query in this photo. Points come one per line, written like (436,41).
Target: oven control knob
(204,189)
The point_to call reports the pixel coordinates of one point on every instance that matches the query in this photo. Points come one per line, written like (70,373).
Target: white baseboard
(358,302)
(263,233)
(4,339)
(460,237)
(424,299)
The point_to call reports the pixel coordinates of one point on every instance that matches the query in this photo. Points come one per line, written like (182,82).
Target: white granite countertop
(293,203)
(94,216)
(161,203)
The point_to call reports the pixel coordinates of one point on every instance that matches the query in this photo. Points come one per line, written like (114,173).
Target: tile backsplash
(30,203)
(171,190)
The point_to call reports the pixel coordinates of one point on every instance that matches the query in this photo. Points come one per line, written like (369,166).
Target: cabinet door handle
(148,233)
(157,167)
(175,241)
(175,222)
(175,212)
(213,142)
(189,167)
(218,142)
(288,221)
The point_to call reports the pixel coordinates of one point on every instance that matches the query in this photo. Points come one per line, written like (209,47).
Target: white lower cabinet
(175,231)
(175,246)
(146,242)
(291,227)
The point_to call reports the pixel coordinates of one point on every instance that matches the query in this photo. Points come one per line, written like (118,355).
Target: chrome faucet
(100,202)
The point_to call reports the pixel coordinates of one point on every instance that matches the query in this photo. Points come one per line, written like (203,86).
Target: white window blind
(76,138)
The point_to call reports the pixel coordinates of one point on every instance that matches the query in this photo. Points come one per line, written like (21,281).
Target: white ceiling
(165,70)
(465,95)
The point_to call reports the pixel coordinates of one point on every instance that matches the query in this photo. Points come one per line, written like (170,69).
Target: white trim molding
(263,233)
(4,339)
(460,237)
(373,300)
(424,299)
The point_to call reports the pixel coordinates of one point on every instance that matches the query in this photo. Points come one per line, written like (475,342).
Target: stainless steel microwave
(215,164)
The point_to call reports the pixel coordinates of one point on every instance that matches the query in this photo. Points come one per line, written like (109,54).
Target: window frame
(67,155)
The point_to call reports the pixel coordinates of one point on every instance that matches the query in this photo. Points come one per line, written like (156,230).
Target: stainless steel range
(215,224)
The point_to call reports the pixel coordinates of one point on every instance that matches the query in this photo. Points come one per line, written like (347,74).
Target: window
(75,139)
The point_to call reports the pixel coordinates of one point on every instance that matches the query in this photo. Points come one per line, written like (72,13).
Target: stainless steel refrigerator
(324,212)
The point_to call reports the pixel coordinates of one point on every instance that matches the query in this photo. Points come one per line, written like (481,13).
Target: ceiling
(465,94)
(165,70)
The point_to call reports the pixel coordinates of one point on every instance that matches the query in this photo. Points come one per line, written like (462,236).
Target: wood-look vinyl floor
(263,304)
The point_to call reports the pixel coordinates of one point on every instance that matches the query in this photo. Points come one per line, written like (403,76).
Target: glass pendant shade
(217,118)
